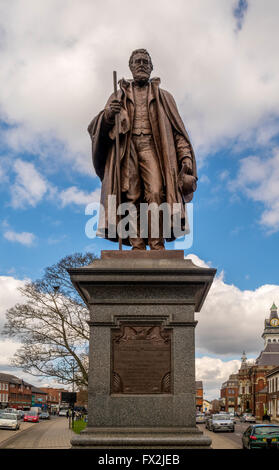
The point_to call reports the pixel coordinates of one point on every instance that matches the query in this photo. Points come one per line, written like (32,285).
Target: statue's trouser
(145,175)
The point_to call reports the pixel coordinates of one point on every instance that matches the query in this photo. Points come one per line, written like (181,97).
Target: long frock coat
(165,120)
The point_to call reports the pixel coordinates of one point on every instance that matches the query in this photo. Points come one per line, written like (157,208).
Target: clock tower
(271,327)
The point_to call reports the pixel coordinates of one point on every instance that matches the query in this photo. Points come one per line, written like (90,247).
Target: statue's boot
(137,244)
(156,244)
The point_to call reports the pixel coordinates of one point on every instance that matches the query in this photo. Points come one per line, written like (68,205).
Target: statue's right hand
(113,108)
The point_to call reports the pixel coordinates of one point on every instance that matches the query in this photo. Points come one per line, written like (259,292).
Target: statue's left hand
(186,181)
(187,166)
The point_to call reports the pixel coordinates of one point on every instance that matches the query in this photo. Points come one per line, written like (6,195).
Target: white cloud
(3,172)
(204,179)
(232,320)
(56,69)
(25,238)
(9,296)
(224,175)
(258,179)
(8,349)
(213,372)
(197,261)
(73,195)
(29,187)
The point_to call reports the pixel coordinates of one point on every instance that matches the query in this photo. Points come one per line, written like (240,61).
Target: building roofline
(273,371)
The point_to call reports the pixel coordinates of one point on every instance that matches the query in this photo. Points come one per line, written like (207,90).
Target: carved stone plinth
(142,349)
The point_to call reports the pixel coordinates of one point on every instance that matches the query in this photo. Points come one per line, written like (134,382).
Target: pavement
(52,434)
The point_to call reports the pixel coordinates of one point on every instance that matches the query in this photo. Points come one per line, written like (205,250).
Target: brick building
(19,392)
(199,395)
(53,397)
(82,398)
(4,390)
(252,376)
(273,393)
(229,394)
(39,397)
(16,393)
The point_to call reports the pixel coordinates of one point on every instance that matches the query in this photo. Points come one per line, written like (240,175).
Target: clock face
(274,322)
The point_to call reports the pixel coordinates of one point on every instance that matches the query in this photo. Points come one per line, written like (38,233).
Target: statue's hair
(143,51)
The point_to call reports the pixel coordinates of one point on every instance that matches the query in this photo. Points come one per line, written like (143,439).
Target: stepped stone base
(142,391)
(131,438)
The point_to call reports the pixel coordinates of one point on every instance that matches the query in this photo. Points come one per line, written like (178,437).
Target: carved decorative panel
(141,360)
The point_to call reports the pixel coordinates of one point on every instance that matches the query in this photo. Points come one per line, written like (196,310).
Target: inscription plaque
(141,360)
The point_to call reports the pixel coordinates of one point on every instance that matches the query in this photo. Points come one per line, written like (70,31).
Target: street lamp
(74,366)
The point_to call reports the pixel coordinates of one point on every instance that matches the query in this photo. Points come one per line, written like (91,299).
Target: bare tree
(51,326)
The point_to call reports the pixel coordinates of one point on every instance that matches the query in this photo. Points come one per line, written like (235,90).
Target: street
(48,434)
(55,434)
(226,440)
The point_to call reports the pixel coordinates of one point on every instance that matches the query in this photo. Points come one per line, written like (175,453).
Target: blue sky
(219,61)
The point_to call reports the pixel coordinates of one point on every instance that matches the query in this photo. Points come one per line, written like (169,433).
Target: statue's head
(140,65)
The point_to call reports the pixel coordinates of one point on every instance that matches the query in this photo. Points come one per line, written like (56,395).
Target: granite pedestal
(142,349)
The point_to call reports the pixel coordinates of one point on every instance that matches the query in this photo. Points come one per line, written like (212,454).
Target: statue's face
(141,67)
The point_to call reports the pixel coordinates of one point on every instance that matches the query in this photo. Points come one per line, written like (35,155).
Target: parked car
(62,413)
(10,410)
(247,418)
(231,415)
(9,420)
(21,413)
(259,436)
(44,415)
(200,418)
(31,416)
(220,422)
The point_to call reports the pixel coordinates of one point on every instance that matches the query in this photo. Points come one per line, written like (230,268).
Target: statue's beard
(141,76)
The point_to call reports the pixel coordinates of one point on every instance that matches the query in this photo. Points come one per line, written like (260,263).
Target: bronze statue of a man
(157,161)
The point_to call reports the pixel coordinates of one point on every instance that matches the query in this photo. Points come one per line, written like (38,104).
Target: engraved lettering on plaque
(141,360)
